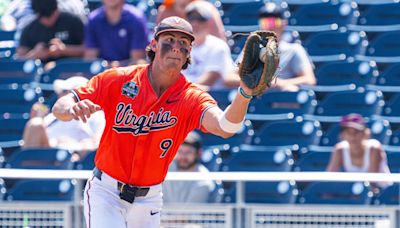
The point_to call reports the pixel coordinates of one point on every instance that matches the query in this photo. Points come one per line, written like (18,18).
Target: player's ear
(153,45)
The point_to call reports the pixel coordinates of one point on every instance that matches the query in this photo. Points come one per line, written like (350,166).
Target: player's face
(173,49)
(113,3)
(186,157)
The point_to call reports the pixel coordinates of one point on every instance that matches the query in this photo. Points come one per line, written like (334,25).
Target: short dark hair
(151,54)
(44,8)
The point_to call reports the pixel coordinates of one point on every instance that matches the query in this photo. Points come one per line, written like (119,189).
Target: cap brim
(175,30)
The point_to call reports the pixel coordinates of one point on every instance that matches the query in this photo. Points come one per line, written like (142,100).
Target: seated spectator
(116,32)
(295,67)
(356,152)
(19,14)
(43,130)
(211,62)
(52,35)
(177,8)
(188,160)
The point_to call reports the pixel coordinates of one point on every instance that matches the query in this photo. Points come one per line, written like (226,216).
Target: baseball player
(149,111)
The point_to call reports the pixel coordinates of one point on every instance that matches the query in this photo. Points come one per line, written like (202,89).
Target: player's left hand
(56,47)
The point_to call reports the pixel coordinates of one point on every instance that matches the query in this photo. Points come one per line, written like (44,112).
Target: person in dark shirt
(52,35)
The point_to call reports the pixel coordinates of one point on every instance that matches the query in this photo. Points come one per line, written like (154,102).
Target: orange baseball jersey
(143,132)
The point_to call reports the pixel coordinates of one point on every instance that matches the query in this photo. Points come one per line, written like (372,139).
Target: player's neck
(161,80)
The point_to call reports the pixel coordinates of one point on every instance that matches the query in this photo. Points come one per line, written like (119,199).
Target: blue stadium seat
(40,158)
(41,190)
(385,48)
(18,98)
(380,130)
(393,159)
(3,190)
(19,71)
(7,44)
(11,129)
(335,45)
(357,73)
(395,139)
(87,162)
(379,17)
(239,138)
(257,161)
(211,158)
(336,193)
(66,68)
(389,195)
(223,97)
(313,161)
(294,134)
(282,192)
(279,105)
(323,16)
(335,105)
(236,14)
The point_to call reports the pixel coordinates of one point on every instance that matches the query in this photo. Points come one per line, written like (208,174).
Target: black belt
(126,192)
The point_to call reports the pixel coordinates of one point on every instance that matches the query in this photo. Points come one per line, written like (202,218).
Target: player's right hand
(82,110)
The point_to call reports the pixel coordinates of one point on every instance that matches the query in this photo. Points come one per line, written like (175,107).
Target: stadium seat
(379,17)
(389,195)
(18,99)
(237,139)
(380,130)
(335,105)
(270,192)
(385,48)
(357,73)
(19,71)
(336,193)
(11,129)
(335,45)
(87,162)
(236,15)
(294,134)
(3,190)
(313,161)
(40,158)
(393,159)
(257,161)
(41,190)
(211,158)
(323,16)
(7,44)
(223,97)
(279,105)
(66,68)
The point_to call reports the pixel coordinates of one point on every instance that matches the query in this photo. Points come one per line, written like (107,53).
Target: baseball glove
(260,61)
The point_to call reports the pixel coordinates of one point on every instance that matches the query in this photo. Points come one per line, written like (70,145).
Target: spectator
(116,32)
(19,14)
(356,152)
(295,68)
(44,130)
(188,160)
(52,35)
(212,64)
(177,8)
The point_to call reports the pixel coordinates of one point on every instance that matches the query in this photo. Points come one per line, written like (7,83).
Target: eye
(184,43)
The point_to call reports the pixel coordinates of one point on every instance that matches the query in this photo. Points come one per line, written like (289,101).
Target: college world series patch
(130,89)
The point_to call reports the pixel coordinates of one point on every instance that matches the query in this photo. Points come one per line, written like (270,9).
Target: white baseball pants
(104,208)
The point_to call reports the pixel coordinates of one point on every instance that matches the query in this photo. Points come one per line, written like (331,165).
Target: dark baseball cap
(200,8)
(174,24)
(193,139)
(272,9)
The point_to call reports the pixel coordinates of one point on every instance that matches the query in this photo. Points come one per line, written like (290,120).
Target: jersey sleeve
(203,103)
(96,88)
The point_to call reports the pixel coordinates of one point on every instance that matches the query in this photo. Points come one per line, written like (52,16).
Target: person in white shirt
(188,160)
(357,152)
(211,64)
(43,130)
